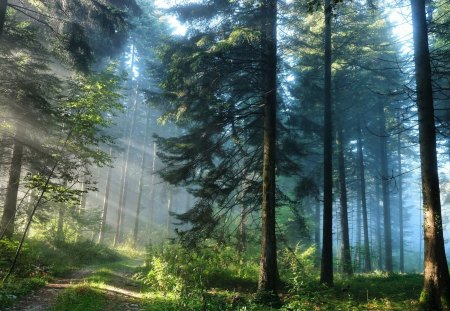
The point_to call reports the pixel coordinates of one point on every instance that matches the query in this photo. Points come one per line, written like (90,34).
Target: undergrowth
(41,260)
(80,298)
(212,277)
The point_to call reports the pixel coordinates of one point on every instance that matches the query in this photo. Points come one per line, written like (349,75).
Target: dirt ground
(120,296)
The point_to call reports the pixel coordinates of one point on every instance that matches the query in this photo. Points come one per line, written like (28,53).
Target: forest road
(121,291)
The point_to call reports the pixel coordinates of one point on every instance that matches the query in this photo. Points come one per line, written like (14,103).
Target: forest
(224,155)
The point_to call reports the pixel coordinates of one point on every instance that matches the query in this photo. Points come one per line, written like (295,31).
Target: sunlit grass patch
(80,298)
(374,291)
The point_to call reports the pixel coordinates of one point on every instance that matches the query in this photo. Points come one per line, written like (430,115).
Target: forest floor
(85,277)
(110,285)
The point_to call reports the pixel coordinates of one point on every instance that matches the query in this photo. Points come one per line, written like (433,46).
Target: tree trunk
(169,210)
(400,201)
(3,6)
(124,180)
(268,271)
(82,209)
(317,232)
(141,179)
(362,176)
(385,190)
(326,270)
(357,265)
(436,289)
(120,213)
(59,238)
(10,207)
(345,243)
(152,185)
(103,225)
(378,227)
(242,235)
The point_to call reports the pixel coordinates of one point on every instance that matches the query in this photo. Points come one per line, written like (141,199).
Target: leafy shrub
(299,265)
(173,268)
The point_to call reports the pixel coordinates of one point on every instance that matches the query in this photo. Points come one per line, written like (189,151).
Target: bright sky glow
(400,17)
(178,28)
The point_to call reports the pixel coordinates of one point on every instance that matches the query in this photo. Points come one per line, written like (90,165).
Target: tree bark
(358,248)
(378,226)
(10,207)
(3,6)
(152,189)
(326,270)
(436,288)
(82,209)
(362,176)
(103,225)
(141,179)
(124,180)
(242,233)
(385,191)
(317,232)
(120,212)
(268,271)
(169,209)
(400,202)
(345,243)
(59,238)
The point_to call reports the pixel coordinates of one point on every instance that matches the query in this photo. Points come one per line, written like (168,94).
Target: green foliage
(80,298)
(375,291)
(298,266)
(42,258)
(17,288)
(177,269)
(210,277)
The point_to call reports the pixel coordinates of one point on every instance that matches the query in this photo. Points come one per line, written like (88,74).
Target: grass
(40,261)
(81,298)
(209,279)
(16,288)
(374,291)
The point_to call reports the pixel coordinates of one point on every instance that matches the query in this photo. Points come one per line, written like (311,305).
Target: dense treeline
(286,131)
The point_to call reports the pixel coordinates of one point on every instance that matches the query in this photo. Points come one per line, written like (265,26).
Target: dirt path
(122,292)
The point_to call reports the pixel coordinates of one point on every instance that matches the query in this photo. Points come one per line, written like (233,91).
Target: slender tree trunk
(242,234)
(326,271)
(103,225)
(400,201)
(81,210)
(362,176)
(10,207)
(317,232)
(242,238)
(120,212)
(378,227)
(3,6)
(60,224)
(345,243)
(141,179)
(152,185)
(268,271)
(436,289)
(385,190)
(169,210)
(124,181)
(358,231)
